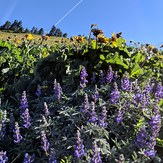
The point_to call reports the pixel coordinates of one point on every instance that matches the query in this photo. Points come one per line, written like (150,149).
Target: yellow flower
(29,37)
(103,39)
(80,39)
(114,43)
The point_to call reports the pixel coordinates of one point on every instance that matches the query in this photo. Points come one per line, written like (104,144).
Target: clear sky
(139,20)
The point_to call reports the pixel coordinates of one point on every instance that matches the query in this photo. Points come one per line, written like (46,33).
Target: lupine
(46,110)
(159,91)
(115,76)
(28,158)
(125,83)
(93,116)
(119,116)
(138,95)
(85,105)
(115,95)
(26,118)
(3,125)
(16,134)
(58,91)
(96,154)
(3,157)
(38,92)
(83,75)
(101,77)
(95,96)
(52,156)
(44,142)
(146,94)
(12,122)
(79,148)
(23,102)
(109,75)
(102,118)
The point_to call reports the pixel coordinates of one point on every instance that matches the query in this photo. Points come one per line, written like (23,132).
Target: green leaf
(137,70)
(102,57)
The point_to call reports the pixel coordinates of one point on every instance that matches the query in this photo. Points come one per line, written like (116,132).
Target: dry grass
(37,38)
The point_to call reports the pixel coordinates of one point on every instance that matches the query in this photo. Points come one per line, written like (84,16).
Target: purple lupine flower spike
(79,148)
(38,92)
(101,77)
(85,105)
(125,83)
(109,76)
(119,116)
(3,125)
(115,76)
(96,154)
(93,116)
(95,96)
(159,91)
(26,118)
(3,157)
(138,96)
(115,95)
(44,142)
(46,110)
(83,75)
(17,136)
(23,102)
(102,118)
(58,91)
(52,156)
(28,158)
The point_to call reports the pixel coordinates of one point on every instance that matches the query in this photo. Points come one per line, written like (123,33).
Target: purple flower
(52,156)
(3,157)
(115,76)
(79,148)
(83,75)
(125,83)
(3,125)
(93,78)
(159,91)
(119,116)
(141,138)
(38,92)
(102,118)
(86,104)
(58,91)
(17,136)
(101,77)
(95,96)
(46,110)
(109,75)
(28,158)
(44,142)
(150,152)
(115,95)
(26,118)
(96,154)
(93,116)
(138,96)
(23,102)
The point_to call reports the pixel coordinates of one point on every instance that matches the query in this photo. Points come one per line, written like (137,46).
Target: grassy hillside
(18,37)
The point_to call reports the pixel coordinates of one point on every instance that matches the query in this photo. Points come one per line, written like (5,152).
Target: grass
(13,37)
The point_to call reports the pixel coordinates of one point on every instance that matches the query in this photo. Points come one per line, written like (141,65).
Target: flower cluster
(58,91)
(3,157)
(96,154)
(26,118)
(79,148)
(125,83)
(102,118)
(83,75)
(17,136)
(3,125)
(52,156)
(93,116)
(44,142)
(115,95)
(23,102)
(110,75)
(28,158)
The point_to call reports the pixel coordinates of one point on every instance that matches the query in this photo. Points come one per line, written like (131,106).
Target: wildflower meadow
(91,100)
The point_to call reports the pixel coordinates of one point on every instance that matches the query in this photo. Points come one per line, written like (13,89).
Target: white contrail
(69,12)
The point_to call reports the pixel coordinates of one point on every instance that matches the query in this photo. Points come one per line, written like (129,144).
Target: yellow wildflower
(103,39)
(29,37)
(80,39)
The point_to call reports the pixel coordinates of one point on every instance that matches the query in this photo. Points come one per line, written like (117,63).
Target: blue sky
(139,20)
